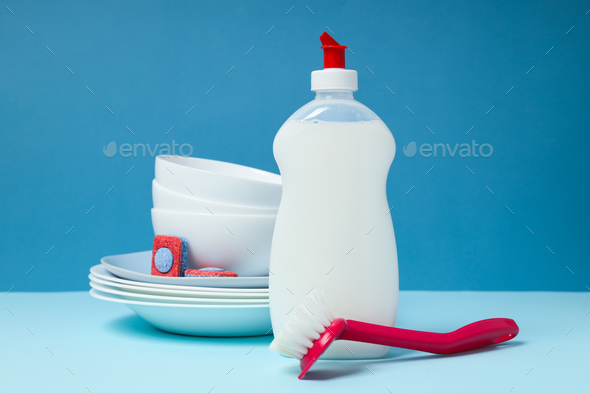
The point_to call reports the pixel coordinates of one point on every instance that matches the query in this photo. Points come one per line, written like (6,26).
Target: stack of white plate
(203,306)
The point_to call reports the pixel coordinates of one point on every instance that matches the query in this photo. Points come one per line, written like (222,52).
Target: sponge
(209,272)
(169,256)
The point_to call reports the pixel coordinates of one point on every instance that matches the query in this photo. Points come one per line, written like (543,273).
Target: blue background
(449,62)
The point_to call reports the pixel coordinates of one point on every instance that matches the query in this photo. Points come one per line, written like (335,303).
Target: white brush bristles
(303,327)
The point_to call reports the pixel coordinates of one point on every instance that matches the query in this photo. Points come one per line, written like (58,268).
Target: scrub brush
(312,328)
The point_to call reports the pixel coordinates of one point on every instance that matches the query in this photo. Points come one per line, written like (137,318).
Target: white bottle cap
(334,79)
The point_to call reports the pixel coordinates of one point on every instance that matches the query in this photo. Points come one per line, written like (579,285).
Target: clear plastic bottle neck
(334,95)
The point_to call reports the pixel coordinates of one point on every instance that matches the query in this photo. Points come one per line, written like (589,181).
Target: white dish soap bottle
(333,229)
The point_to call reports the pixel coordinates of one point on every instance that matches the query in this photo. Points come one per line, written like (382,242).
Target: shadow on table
(136,327)
(329,369)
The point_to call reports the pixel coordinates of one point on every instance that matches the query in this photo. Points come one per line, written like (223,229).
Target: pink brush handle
(475,335)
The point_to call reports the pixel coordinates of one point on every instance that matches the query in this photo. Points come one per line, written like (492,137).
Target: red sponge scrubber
(169,256)
(209,272)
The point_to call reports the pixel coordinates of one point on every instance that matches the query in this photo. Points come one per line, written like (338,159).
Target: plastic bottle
(333,228)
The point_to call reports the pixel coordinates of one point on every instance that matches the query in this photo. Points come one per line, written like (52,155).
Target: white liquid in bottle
(333,230)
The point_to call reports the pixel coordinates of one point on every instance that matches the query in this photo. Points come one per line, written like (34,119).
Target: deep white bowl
(238,243)
(218,181)
(166,199)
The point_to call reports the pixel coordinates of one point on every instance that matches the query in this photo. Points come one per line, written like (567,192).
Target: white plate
(173,299)
(101,272)
(137,267)
(176,292)
(199,320)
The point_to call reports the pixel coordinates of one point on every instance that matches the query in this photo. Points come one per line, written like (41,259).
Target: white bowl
(238,243)
(219,181)
(166,199)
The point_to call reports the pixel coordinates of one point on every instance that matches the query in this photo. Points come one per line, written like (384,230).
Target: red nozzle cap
(333,52)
